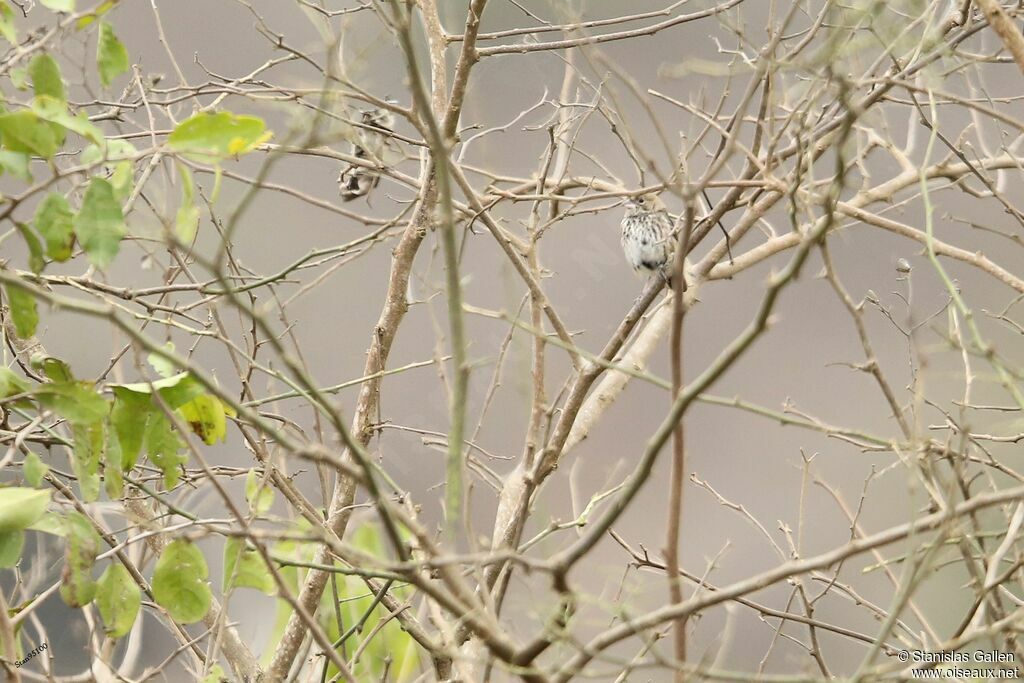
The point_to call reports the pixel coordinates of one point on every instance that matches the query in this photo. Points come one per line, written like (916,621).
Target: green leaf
(11,543)
(109,151)
(77,402)
(216,675)
(24,131)
(111,55)
(54,111)
(206,416)
(88,441)
(16,163)
(23,310)
(46,78)
(259,495)
(179,582)
(390,642)
(244,568)
(50,523)
(55,222)
(19,77)
(11,384)
(113,468)
(54,368)
(208,137)
(118,599)
(35,248)
(67,6)
(186,222)
(21,507)
(34,469)
(119,162)
(99,224)
(164,448)
(100,10)
(7,23)
(175,390)
(161,365)
(129,417)
(83,544)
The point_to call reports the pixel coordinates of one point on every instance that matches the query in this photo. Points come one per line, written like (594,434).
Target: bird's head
(379,118)
(644,203)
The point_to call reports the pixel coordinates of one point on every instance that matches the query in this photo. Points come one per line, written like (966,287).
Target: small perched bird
(370,144)
(648,237)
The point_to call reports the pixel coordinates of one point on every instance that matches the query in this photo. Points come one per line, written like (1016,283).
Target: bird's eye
(640,200)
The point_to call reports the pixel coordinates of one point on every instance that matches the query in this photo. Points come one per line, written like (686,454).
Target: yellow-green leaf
(82,545)
(118,599)
(244,568)
(35,248)
(54,368)
(7,23)
(21,507)
(99,224)
(46,78)
(163,445)
(34,469)
(113,468)
(77,402)
(23,310)
(50,523)
(49,109)
(11,543)
(88,442)
(161,365)
(259,495)
(19,77)
(175,390)
(129,417)
(186,222)
(100,10)
(55,222)
(209,137)
(111,55)
(23,131)
(16,163)
(11,384)
(206,416)
(216,675)
(67,6)
(179,582)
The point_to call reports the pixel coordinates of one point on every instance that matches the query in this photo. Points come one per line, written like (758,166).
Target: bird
(649,238)
(370,143)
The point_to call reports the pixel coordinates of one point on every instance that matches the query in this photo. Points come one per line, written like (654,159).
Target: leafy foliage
(24,131)
(59,5)
(54,221)
(390,648)
(244,568)
(258,493)
(208,137)
(118,598)
(111,55)
(83,543)
(21,507)
(179,582)
(99,224)
(34,468)
(23,310)
(46,78)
